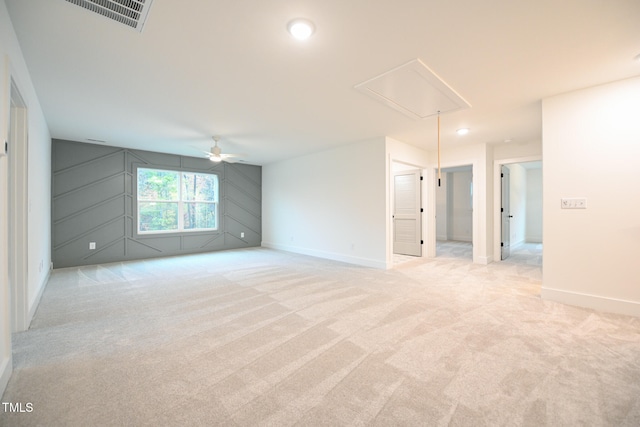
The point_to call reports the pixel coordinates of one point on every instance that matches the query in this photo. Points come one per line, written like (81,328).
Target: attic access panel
(132,13)
(415,90)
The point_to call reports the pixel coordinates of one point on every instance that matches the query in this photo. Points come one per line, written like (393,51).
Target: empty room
(319,213)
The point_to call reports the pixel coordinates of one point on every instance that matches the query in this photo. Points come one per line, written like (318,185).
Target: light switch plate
(573,203)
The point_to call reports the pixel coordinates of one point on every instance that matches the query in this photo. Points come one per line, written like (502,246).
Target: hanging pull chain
(439,171)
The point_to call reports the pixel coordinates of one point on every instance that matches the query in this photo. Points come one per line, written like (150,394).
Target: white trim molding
(36,301)
(597,302)
(6,368)
(484,260)
(365,262)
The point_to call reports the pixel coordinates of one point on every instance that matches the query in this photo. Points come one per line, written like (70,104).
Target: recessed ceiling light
(301,29)
(463,131)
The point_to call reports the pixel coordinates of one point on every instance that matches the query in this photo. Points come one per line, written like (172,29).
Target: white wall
(533,226)
(591,150)
(39,161)
(513,152)
(336,204)
(330,204)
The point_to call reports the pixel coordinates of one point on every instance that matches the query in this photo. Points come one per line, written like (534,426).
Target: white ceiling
(229,68)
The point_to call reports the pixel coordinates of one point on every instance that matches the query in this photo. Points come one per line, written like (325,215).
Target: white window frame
(181,203)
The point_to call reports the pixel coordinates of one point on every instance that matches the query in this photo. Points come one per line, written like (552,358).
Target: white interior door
(505,244)
(407,217)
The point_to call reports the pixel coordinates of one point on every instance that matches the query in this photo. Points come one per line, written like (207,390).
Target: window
(176,201)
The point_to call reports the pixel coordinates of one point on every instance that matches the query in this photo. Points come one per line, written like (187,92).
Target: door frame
(497,197)
(450,196)
(389,205)
(18,209)
(432,184)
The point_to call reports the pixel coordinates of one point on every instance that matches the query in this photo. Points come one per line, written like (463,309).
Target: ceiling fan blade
(215,154)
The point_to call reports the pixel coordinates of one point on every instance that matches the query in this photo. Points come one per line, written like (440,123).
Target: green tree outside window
(174,201)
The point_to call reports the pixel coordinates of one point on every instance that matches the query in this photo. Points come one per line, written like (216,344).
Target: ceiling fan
(216,155)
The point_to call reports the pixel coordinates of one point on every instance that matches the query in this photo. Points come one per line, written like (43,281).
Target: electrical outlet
(92,245)
(573,203)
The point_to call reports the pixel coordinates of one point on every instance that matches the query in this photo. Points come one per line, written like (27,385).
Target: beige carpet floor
(262,337)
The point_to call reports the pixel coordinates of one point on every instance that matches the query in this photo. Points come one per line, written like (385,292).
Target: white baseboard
(597,302)
(36,302)
(6,367)
(517,245)
(366,262)
(484,260)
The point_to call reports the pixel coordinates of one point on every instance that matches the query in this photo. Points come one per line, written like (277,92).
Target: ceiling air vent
(132,13)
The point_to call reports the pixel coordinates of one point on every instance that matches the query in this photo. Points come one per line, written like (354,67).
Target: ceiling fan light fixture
(216,155)
(301,29)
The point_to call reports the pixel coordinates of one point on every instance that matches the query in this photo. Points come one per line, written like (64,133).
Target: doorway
(18,211)
(454,213)
(521,212)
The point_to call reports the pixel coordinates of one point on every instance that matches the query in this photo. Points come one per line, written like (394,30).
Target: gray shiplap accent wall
(93,200)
